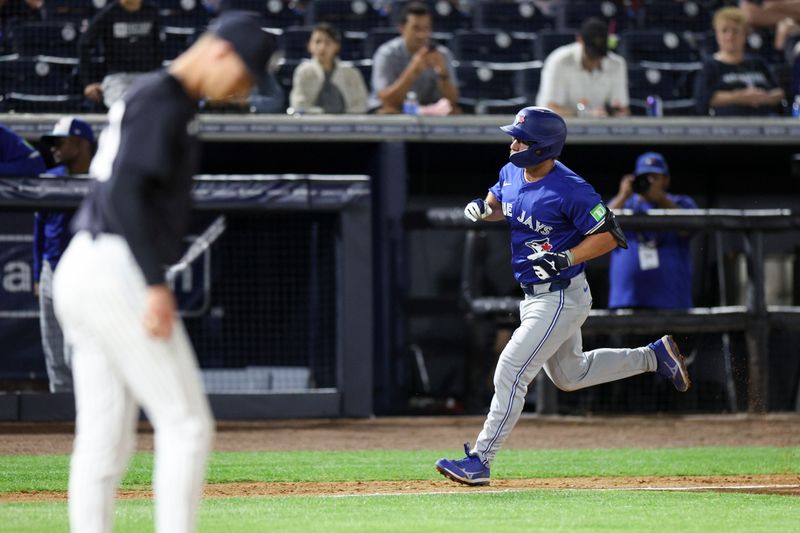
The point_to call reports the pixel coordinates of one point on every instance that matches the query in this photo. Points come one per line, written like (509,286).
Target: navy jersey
(667,287)
(130,41)
(145,162)
(51,233)
(553,214)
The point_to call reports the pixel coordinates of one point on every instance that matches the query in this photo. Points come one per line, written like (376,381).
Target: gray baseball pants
(549,336)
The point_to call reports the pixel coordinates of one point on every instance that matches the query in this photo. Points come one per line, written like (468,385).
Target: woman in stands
(731,83)
(324,84)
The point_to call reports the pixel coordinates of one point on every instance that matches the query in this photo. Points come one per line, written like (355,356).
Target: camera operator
(655,271)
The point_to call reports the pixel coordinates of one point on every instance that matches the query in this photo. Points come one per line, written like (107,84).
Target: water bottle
(655,106)
(411,104)
(796,107)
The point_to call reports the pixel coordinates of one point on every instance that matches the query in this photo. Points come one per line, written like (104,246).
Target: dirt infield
(422,433)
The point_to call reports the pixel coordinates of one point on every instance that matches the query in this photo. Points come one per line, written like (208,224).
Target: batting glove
(477,209)
(549,264)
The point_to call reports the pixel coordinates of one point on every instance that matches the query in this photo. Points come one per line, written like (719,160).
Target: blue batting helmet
(544,129)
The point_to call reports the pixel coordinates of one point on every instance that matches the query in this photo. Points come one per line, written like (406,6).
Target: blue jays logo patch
(539,245)
(520,120)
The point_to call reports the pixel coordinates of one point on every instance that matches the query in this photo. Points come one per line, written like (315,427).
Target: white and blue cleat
(670,362)
(469,471)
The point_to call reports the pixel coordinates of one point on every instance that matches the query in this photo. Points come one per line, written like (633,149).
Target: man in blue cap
(656,270)
(71,142)
(130,348)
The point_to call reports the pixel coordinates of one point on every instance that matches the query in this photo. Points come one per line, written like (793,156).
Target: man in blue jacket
(17,157)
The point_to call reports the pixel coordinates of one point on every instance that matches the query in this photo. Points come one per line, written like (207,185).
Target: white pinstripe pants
(99,295)
(549,336)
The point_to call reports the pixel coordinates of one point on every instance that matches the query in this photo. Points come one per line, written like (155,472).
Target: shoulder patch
(598,212)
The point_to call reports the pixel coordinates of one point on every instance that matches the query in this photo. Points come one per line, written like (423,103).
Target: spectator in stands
(17,156)
(14,12)
(584,78)
(730,83)
(656,270)
(71,143)
(782,16)
(414,63)
(324,84)
(128,32)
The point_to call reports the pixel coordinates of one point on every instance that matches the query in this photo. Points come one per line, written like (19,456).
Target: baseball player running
(71,142)
(130,347)
(558,222)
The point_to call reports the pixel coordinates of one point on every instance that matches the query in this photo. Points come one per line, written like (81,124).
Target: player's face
(65,149)
(323,48)
(416,31)
(228,79)
(730,36)
(518,145)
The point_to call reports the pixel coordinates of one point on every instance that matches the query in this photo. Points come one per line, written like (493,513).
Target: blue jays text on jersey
(553,214)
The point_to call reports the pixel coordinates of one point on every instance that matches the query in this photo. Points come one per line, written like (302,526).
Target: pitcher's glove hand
(549,264)
(477,209)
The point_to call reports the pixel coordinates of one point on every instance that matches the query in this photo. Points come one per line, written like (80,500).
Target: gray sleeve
(383,70)
(451,69)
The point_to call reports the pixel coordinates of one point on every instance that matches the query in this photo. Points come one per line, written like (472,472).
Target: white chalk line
(504,491)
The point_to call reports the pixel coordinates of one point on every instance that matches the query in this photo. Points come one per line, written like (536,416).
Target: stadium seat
(493,46)
(176,40)
(284,75)
(376,37)
(345,15)
(56,39)
(522,16)
(36,85)
(294,43)
(485,89)
(549,40)
(73,10)
(656,46)
(688,15)
(673,85)
(277,13)
(528,83)
(446,17)
(574,12)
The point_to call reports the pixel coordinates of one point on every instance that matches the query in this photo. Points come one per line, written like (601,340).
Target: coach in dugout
(72,143)
(413,63)
(128,31)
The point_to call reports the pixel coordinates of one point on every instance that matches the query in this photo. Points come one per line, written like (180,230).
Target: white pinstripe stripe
(522,370)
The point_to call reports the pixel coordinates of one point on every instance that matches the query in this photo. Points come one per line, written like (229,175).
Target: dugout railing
(308,351)
(754,319)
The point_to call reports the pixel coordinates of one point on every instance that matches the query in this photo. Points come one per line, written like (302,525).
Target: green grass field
(525,510)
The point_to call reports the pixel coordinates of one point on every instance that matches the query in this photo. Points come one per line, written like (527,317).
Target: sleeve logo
(598,212)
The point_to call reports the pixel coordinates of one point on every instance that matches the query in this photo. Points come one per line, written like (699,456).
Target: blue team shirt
(667,287)
(553,214)
(51,233)
(17,156)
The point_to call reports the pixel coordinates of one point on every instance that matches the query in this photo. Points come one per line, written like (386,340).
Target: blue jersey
(17,156)
(669,285)
(51,233)
(553,214)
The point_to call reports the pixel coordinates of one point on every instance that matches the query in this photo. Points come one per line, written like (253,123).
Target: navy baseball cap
(594,33)
(243,29)
(70,127)
(651,163)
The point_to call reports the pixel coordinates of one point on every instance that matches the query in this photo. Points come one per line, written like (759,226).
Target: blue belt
(541,288)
